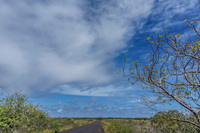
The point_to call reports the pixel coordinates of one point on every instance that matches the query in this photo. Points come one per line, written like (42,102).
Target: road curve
(94,127)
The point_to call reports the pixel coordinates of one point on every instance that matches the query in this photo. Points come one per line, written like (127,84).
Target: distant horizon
(101,117)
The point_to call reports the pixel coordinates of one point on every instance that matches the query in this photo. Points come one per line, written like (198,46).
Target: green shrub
(164,123)
(119,127)
(17,114)
(56,125)
(77,123)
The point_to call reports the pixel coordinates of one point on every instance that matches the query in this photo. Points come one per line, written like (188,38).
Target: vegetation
(19,115)
(163,123)
(159,123)
(172,72)
(127,126)
(117,126)
(67,123)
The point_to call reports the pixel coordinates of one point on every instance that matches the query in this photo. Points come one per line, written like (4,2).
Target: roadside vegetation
(19,115)
(159,123)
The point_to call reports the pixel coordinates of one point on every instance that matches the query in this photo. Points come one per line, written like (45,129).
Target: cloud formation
(107,90)
(171,13)
(97,108)
(44,43)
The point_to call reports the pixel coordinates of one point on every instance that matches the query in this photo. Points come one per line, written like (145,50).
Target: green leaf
(197,42)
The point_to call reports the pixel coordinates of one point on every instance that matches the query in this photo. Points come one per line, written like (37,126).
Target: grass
(127,125)
(105,126)
(112,125)
(62,124)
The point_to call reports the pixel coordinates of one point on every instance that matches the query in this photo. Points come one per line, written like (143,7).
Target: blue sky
(65,54)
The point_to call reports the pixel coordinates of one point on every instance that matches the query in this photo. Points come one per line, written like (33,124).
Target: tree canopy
(171,71)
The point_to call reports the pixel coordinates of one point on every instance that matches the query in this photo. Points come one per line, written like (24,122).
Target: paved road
(94,127)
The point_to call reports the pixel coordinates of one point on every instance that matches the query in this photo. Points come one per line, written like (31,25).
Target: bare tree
(172,71)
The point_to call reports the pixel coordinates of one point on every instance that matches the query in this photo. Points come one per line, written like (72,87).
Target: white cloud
(171,13)
(60,110)
(47,43)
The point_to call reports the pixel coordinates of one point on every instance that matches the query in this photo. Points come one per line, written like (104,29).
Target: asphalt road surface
(94,127)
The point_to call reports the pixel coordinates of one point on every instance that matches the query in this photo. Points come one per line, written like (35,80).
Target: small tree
(172,71)
(18,114)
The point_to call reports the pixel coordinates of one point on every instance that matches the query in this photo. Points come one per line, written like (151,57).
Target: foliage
(67,123)
(127,125)
(171,72)
(161,122)
(56,125)
(119,127)
(17,114)
(164,122)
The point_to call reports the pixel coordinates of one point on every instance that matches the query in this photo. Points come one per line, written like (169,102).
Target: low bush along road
(94,127)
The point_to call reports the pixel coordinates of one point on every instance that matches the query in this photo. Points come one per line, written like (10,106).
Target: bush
(119,127)
(164,123)
(77,123)
(56,125)
(17,114)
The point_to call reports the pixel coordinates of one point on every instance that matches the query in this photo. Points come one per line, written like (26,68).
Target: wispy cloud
(97,108)
(171,13)
(106,90)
